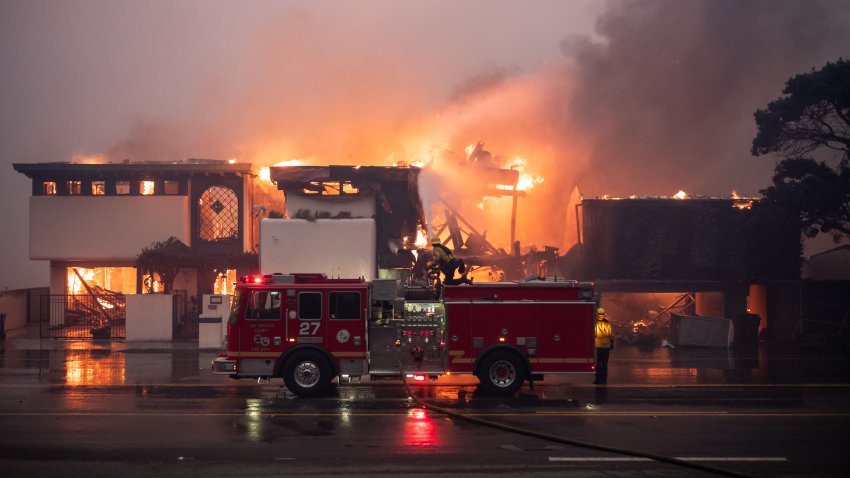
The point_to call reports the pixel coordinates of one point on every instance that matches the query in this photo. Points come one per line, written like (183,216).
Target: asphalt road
(153,412)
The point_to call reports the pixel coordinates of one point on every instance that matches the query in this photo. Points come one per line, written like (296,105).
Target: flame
(231,161)
(89,159)
(681,195)
(148,188)
(526,182)
(291,162)
(421,238)
(75,285)
(265,174)
(735,195)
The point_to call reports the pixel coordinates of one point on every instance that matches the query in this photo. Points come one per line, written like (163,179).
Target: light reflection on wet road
(139,404)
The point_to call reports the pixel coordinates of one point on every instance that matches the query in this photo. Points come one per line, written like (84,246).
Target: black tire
(501,373)
(307,374)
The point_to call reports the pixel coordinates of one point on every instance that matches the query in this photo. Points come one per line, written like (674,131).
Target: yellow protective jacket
(604,334)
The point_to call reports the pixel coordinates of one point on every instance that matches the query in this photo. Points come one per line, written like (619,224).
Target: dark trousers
(449,270)
(602,365)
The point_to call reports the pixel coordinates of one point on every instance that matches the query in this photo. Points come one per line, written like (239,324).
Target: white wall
(113,228)
(149,317)
(337,247)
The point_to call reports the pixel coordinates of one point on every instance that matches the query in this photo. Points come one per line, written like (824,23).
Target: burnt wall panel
(696,239)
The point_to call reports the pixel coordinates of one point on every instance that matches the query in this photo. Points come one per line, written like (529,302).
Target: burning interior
(409,204)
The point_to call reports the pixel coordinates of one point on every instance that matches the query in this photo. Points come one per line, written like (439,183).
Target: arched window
(218,215)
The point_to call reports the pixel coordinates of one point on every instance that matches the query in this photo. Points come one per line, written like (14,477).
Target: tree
(164,258)
(812,119)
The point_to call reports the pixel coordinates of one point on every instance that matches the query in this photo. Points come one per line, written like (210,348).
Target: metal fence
(34,303)
(184,318)
(82,316)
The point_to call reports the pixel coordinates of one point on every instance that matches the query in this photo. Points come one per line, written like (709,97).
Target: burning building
(652,257)
(91,221)
(371,221)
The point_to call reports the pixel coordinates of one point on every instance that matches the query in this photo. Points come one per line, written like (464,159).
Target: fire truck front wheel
(501,372)
(307,374)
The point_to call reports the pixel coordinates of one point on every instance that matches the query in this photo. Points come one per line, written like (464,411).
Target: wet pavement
(24,358)
(143,408)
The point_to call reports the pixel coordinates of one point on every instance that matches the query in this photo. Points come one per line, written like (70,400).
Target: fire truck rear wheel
(307,374)
(501,373)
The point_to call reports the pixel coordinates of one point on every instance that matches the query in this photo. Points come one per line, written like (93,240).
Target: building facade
(91,221)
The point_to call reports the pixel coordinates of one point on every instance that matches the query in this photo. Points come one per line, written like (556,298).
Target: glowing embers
(420,430)
(48,188)
(741,202)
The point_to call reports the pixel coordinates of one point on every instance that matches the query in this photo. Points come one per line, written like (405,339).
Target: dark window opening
(344,305)
(98,188)
(122,187)
(171,187)
(310,306)
(75,188)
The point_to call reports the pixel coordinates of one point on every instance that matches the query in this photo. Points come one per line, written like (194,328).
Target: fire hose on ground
(564,440)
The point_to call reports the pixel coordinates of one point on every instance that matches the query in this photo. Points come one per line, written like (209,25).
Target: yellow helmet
(435,240)
(600,311)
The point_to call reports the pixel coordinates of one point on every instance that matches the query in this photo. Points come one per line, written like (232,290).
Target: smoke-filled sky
(620,98)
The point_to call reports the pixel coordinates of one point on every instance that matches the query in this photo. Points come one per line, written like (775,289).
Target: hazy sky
(624,97)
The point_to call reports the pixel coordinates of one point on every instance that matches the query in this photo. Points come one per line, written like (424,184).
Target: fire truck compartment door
(304,316)
(263,330)
(345,334)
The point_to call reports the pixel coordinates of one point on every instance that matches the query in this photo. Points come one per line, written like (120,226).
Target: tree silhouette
(811,120)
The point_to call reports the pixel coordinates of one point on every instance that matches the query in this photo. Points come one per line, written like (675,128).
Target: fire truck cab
(310,329)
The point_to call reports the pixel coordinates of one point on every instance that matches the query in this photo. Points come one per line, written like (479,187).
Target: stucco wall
(149,317)
(13,303)
(110,228)
(336,247)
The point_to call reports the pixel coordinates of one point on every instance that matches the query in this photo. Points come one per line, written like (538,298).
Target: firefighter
(604,344)
(448,263)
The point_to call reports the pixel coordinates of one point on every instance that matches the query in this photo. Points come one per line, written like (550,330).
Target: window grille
(218,215)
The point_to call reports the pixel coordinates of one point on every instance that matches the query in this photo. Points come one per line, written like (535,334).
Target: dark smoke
(668,98)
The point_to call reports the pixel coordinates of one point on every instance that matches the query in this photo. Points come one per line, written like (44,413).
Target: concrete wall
(104,228)
(355,206)
(149,317)
(336,247)
(13,303)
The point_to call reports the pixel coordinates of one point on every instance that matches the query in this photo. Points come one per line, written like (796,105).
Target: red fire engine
(309,329)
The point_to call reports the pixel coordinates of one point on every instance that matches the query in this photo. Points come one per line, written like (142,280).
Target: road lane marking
(683,458)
